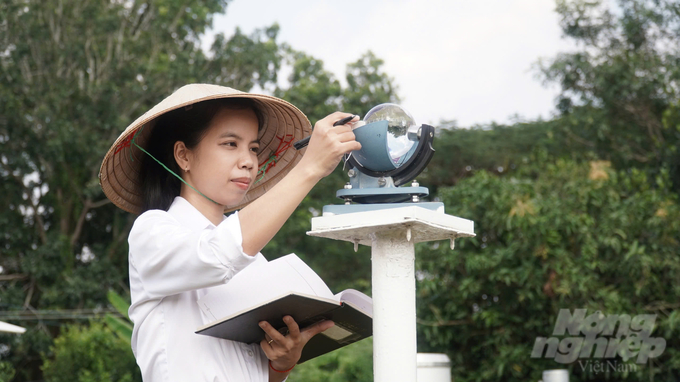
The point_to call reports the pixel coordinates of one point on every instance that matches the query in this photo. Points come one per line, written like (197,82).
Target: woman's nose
(247,160)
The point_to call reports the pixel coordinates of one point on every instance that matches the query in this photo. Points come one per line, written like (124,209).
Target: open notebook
(267,291)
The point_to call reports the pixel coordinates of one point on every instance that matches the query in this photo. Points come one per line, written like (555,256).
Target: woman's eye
(232,144)
(256,150)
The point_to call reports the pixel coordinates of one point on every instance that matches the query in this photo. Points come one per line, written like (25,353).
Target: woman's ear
(182,155)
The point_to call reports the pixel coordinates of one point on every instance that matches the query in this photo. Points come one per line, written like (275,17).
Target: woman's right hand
(328,144)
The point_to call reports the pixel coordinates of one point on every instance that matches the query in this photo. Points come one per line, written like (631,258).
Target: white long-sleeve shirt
(175,257)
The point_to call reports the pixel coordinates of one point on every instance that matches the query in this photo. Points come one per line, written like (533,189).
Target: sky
(463,60)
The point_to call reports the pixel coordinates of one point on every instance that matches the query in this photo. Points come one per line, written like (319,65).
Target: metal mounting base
(338,209)
(382,194)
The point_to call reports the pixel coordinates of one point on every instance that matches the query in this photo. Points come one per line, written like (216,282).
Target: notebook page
(260,282)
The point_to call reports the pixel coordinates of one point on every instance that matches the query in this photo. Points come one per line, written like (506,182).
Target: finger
(339,129)
(311,331)
(347,137)
(340,115)
(345,121)
(357,124)
(293,327)
(337,115)
(267,349)
(273,333)
(349,146)
(334,117)
(319,326)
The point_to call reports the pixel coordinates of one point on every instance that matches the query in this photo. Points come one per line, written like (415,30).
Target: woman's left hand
(285,351)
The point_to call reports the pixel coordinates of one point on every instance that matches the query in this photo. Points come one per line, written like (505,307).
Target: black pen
(304,141)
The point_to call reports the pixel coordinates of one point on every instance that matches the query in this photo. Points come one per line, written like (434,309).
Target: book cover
(308,301)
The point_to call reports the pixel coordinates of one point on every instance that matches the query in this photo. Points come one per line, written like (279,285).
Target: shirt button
(250,353)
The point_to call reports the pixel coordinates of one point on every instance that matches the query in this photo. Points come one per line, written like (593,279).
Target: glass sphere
(399,121)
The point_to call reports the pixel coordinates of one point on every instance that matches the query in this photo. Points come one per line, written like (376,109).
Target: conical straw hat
(283,123)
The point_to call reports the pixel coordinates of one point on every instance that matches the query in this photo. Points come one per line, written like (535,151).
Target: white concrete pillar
(556,375)
(434,367)
(392,233)
(394,307)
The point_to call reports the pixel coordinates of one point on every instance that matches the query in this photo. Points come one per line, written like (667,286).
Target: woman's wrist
(280,368)
(307,172)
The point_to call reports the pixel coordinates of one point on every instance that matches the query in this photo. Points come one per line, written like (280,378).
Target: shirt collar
(188,215)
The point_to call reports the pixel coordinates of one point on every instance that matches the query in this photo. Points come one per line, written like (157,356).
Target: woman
(204,150)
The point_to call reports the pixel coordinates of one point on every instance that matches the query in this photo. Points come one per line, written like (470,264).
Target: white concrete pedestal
(392,233)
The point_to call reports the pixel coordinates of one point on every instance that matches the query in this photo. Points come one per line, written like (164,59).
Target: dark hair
(189,125)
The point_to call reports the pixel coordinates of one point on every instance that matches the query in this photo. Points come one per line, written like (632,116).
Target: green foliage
(25,350)
(310,87)
(90,354)
(316,91)
(353,363)
(367,85)
(73,74)
(244,61)
(119,303)
(583,213)
(555,235)
(121,326)
(621,86)
(6,371)
(498,149)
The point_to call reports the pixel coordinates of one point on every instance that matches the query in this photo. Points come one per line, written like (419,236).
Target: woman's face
(223,165)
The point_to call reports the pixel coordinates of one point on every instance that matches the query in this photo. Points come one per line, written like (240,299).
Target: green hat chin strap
(166,167)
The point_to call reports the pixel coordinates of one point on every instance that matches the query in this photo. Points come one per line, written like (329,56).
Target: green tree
(6,371)
(571,212)
(310,87)
(90,354)
(578,235)
(73,74)
(353,363)
(498,149)
(620,90)
(368,85)
(122,326)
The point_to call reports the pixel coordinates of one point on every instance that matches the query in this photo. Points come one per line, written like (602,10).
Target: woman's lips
(242,183)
